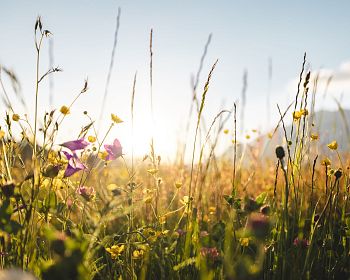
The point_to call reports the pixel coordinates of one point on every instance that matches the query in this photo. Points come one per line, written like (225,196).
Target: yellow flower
(115,250)
(247,136)
(103,155)
(244,241)
(298,114)
(326,162)
(15,117)
(304,112)
(149,232)
(152,171)
(178,185)
(186,200)
(212,210)
(2,134)
(112,187)
(254,130)
(333,145)
(92,139)
(226,131)
(147,199)
(55,159)
(162,220)
(269,135)
(116,119)
(137,254)
(314,136)
(64,110)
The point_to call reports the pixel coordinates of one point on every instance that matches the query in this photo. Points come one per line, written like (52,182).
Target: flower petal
(117,148)
(74,165)
(114,151)
(68,155)
(109,150)
(74,145)
(70,170)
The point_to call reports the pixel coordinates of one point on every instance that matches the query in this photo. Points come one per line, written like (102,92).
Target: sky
(246,36)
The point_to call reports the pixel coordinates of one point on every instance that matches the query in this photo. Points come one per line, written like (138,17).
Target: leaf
(51,201)
(60,207)
(185,263)
(261,198)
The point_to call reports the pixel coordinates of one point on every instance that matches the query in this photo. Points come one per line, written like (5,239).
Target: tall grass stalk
(110,68)
(194,101)
(205,91)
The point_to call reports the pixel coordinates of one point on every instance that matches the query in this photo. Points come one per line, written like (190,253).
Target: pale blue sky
(245,35)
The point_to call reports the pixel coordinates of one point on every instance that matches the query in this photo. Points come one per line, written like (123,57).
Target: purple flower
(75,145)
(210,252)
(74,164)
(303,243)
(114,151)
(86,192)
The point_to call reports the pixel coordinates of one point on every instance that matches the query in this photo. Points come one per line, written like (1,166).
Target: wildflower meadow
(271,205)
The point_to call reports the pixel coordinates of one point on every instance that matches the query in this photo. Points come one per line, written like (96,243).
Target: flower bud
(280,152)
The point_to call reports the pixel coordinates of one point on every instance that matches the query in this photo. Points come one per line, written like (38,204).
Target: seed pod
(280,152)
(338,173)
(51,171)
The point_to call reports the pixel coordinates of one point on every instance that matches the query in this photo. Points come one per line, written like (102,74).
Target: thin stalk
(234,148)
(206,88)
(36,96)
(111,64)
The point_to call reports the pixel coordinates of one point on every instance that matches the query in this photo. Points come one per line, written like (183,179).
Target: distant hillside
(328,125)
(333,125)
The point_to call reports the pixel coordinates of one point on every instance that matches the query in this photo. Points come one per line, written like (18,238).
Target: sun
(137,139)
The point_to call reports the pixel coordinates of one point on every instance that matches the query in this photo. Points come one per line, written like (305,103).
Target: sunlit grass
(86,209)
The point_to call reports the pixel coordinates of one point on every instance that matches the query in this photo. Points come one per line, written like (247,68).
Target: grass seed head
(280,152)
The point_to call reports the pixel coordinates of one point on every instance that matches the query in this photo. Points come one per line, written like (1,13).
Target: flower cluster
(298,114)
(210,252)
(75,164)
